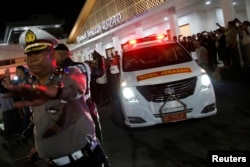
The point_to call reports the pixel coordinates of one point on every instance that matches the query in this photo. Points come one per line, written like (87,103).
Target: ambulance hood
(162,74)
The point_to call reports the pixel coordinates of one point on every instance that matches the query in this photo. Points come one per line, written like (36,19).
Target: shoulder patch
(59,72)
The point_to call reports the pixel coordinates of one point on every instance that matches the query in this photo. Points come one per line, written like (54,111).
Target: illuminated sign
(101,27)
(164,72)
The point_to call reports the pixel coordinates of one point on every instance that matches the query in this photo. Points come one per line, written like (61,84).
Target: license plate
(173,117)
(172,106)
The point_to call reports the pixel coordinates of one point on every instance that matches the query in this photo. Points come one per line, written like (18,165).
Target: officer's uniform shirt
(85,69)
(88,73)
(61,124)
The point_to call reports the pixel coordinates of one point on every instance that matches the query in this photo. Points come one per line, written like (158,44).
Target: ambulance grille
(160,92)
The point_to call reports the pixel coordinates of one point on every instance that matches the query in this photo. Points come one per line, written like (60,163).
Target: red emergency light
(160,37)
(133,41)
(146,39)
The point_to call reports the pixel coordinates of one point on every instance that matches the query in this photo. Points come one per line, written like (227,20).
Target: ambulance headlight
(129,95)
(205,82)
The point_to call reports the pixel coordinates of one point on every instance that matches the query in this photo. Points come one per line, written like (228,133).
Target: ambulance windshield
(154,56)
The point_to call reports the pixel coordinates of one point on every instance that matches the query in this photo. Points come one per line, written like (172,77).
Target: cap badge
(30,37)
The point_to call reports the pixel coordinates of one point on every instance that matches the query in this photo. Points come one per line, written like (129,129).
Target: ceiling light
(208,3)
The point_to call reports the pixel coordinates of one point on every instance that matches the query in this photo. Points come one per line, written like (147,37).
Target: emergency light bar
(146,39)
(133,41)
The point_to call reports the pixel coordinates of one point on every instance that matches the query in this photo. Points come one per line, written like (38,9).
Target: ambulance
(161,82)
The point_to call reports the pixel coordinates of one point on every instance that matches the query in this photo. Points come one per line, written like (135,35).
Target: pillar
(173,22)
(228,10)
(117,45)
(247,3)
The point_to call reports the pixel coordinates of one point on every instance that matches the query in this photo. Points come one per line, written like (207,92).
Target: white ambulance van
(162,83)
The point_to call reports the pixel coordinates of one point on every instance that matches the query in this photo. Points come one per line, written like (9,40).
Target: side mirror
(194,55)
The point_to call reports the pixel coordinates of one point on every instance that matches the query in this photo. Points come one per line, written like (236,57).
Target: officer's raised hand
(33,94)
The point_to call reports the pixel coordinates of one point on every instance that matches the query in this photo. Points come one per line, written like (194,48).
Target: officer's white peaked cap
(35,39)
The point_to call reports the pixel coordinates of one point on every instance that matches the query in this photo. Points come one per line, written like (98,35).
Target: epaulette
(59,72)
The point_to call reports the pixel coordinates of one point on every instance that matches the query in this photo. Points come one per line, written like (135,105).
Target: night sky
(23,10)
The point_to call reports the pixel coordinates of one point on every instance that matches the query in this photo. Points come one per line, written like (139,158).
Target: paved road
(181,144)
(186,143)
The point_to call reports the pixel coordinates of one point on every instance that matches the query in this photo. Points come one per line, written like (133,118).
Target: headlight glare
(205,82)
(123,83)
(129,95)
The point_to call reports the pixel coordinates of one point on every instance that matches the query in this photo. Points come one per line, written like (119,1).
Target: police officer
(63,60)
(63,127)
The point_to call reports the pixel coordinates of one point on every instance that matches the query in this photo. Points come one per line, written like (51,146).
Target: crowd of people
(106,88)
(16,117)
(229,45)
